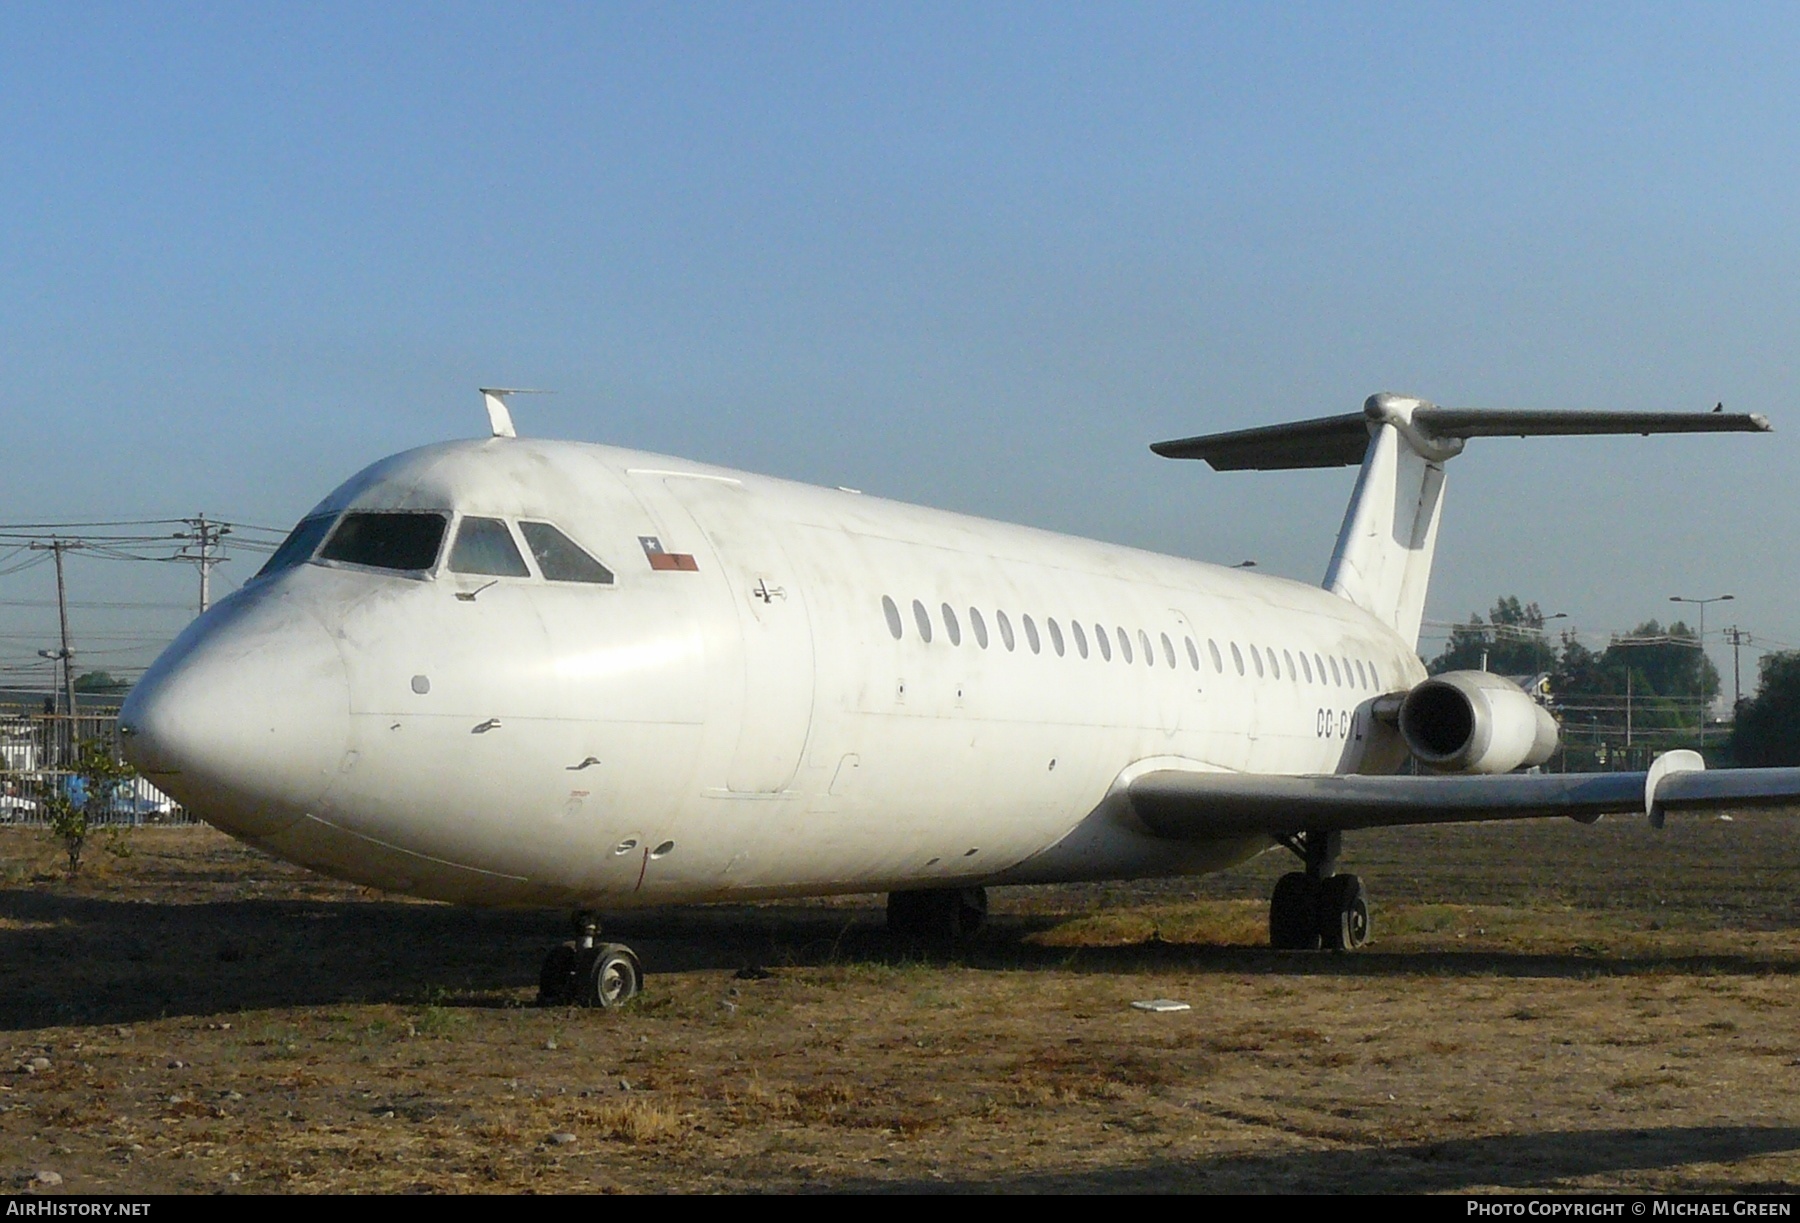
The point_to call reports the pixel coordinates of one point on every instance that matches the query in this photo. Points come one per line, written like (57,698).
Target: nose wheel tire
(603,976)
(607,976)
(556,979)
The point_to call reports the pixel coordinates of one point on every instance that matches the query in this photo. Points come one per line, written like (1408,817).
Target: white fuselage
(769,721)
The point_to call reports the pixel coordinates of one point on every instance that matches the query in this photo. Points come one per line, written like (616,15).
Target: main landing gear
(587,972)
(1317,907)
(938,917)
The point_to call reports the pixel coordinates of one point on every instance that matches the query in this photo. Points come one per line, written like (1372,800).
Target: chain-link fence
(37,755)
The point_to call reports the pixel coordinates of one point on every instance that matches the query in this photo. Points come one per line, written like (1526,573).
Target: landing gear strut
(1317,907)
(587,972)
(938,917)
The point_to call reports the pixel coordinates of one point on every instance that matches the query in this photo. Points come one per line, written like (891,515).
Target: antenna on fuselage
(499,419)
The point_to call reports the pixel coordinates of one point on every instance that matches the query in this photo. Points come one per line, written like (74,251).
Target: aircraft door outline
(775,631)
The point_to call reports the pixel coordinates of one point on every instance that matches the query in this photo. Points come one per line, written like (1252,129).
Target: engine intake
(1475,722)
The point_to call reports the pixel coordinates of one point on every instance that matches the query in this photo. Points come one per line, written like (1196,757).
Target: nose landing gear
(587,972)
(1317,907)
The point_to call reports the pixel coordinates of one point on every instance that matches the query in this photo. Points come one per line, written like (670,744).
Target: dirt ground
(1545,1006)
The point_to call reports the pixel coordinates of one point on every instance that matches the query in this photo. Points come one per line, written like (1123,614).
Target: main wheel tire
(556,979)
(1293,913)
(936,917)
(931,917)
(608,975)
(971,911)
(1343,913)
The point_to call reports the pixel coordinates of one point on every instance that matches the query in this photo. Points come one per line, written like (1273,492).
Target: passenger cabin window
(1124,645)
(922,618)
(299,546)
(400,540)
(979,627)
(1193,653)
(561,559)
(1056,637)
(893,616)
(1237,656)
(1104,642)
(1212,647)
(484,546)
(1006,633)
(1080,637)
(951,628)
(1144,645)
(1031,635)
(1168,651)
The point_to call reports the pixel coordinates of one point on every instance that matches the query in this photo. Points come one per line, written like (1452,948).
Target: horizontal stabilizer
(1329,441)
(1479,422)
(1436,433)
(1204,806)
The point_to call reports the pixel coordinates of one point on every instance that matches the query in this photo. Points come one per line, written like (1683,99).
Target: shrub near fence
(37,752)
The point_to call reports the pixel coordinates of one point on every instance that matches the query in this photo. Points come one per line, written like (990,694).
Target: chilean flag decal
(659,559)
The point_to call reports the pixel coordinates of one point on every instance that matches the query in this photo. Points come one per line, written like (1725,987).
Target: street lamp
(1701,603)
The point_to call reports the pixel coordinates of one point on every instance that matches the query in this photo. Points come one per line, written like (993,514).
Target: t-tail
(1382,562)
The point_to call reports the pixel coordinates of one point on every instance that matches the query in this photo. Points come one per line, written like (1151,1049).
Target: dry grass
(1546,1006)
(635,1121)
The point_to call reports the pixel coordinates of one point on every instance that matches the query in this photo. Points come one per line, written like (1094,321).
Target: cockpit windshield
(408,541)
(560,558)
(485,546)
(299,546)
(404,540)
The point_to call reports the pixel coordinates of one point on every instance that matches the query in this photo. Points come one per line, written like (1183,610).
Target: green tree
(1768,724)
(1511,640)
(1654,680)
(100,681)
(1670,660)
(73,809)
(1673,682)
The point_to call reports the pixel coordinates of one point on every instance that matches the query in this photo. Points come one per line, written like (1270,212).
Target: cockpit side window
(402,540)
(299,546)
(560,558)
(484,546)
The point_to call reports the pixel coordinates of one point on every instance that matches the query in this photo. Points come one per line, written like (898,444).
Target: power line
(92,605)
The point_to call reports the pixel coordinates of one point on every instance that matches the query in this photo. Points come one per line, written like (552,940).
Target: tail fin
(1382,562)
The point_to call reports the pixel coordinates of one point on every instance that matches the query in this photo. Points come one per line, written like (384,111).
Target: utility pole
(203,537)
(1701,643)
(1628,716)
(1738,638)
(57,547)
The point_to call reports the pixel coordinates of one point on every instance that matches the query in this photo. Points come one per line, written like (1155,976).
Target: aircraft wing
(1201,806)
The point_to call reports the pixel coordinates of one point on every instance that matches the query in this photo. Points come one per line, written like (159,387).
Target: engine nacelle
(1475,722)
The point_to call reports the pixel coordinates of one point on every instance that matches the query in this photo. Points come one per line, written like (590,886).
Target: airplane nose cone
(245,719)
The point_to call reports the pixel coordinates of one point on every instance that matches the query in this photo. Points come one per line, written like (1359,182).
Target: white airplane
(516,672)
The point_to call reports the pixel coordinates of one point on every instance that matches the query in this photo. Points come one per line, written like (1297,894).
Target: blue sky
(970,255)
